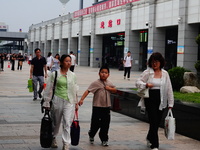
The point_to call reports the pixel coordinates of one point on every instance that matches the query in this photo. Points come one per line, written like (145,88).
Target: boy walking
(101,89)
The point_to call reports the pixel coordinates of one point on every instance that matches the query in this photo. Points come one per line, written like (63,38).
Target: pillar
(187,50)
(156,37)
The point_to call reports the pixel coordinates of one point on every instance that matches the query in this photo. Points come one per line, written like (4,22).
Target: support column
(187,50)
(131,39)
(83,46)
(34,42)
(39,41)
(60,44)
(46,48)
(96,45)
(52,40)
(72,42)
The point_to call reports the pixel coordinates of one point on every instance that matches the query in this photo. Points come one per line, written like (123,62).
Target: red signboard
(102,6)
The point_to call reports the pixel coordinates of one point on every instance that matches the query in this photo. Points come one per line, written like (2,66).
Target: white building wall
(193,11)
(140,15)
(75,27)
(113,15)
(65,33)
(43,33)
(32,36)
(57,31)
(49,32)
(167,13)
(37,36)
(86,31)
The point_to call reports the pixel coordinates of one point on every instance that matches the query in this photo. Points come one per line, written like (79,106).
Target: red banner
(102,6)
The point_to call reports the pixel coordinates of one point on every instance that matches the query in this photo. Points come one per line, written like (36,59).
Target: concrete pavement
(20,116)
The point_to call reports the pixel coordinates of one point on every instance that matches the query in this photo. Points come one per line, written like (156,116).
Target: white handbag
(144,93)
(170,126)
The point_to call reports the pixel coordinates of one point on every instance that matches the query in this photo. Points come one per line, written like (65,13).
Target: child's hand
(80,102)
(108,88)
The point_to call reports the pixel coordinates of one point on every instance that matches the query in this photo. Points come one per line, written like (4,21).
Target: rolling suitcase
(46,136)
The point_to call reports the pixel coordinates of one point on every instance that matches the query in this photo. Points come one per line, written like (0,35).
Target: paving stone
(20,117)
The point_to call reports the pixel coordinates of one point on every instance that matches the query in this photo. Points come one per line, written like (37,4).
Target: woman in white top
(64,101)
(160,95)
(127,65)
(56,63)
(49,61)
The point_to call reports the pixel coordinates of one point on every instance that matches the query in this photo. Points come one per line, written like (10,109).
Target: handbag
(144,93)
(75,130)
(170,126)
(46,136)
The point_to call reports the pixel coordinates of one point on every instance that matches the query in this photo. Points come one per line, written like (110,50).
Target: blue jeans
(37,79)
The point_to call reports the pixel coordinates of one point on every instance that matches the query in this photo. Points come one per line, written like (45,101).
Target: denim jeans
(37,79)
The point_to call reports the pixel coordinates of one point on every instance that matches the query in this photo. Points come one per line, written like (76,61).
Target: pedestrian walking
(49,61)
(101,89)
(20,59)
(64,101)
(73,61)
(127,65)
(12,61)
(38,67)
(2,58)
(160,95)
(30,59)
(55,63)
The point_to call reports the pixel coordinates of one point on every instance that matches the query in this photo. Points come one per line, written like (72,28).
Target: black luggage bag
(46,136)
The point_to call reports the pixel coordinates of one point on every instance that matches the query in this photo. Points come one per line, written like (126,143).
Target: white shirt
(49,60)
(73,59)
(166,92)
(128,60)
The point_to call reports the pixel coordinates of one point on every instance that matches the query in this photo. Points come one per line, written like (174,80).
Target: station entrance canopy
(13,36)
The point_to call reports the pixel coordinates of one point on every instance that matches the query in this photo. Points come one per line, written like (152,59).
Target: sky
(21,14)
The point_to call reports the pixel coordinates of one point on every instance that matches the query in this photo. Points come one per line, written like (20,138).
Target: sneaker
(40,95)
(105,143)
(124,77)
(148,143)
(65,147)
(155,149)
(54,143)
(34,99)
(91,140)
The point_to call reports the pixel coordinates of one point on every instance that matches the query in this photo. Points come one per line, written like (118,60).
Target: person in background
(12,60)
(127,65)
(20,59)
(160,95)
(56,63)
(30,59)
(49,61)
(73,61)
(101,89)
(64,101)
(38,67)
(2,58)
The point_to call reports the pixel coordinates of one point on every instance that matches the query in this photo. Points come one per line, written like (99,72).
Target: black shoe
(34,99)
(40,95)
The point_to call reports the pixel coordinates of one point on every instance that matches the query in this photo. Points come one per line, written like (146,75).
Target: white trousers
(62,109)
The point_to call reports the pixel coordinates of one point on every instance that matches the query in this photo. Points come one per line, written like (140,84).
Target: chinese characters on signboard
(101,7)
(110,23)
